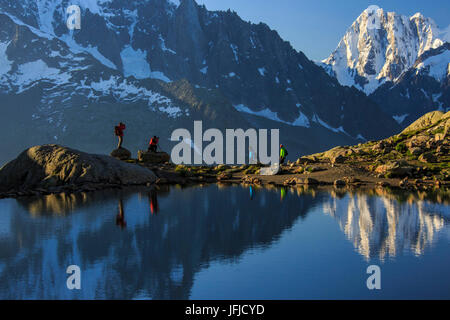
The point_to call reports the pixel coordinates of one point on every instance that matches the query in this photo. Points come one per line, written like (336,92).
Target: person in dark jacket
(153,145)
(120,218)
(118,130)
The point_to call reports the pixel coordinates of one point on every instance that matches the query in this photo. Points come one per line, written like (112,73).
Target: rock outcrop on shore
(52,167)
(421,150)
(149,157)
(417,157)
(121,154)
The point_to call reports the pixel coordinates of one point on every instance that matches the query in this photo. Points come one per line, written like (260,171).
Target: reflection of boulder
(121,154)
(51,166)
(153,157)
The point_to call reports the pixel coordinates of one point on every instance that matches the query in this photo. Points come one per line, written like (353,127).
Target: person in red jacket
(153,197)
(153,145)
(118,130)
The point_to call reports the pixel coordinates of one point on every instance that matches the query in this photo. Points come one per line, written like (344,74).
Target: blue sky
(316,26)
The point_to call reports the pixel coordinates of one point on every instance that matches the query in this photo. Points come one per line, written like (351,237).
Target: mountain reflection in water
(382,225)
(138,243)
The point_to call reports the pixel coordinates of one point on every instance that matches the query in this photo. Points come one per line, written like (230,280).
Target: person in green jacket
(283,154)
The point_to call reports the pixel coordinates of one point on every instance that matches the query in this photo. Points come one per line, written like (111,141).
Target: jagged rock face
(423,88)
(380,46)
(122,46)
(52,166)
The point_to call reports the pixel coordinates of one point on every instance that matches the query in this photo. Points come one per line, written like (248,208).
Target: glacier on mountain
(437,66)
(5,64)
(135,63)
(30,72)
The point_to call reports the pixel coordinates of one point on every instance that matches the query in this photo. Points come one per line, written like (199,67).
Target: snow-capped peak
(381,45)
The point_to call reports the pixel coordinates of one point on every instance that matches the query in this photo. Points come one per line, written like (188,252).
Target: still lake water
(226,242)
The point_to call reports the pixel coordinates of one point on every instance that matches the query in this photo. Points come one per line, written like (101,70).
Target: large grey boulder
(51,166)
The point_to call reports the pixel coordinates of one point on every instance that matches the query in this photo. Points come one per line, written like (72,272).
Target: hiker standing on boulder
(153,145)
(283,154)
(118,131)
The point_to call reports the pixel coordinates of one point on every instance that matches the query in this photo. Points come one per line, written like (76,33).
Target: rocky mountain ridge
(127,54)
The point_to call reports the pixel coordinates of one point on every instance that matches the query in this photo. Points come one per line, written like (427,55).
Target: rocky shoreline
(415,159)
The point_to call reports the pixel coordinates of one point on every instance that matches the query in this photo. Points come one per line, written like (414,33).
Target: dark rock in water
(49,166)
(153,157)
(121,154)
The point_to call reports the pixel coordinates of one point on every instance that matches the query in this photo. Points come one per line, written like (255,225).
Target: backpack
(117,130)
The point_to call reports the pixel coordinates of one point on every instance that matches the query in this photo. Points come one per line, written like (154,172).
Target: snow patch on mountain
(262,71)
(125,90)
(77,48)
(301,121)
(340,129)
(160,76)
(234,48)
(172,111)
(175,2)
(5,64)
(19,22)
(436,66)
(163,45)
(30,72)
(135,63)
(400,118)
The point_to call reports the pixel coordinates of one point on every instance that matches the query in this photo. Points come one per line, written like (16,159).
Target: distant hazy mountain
(126,62)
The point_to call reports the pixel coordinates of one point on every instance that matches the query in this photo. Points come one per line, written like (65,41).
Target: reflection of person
(153,202)
(251,193)
(283,194)
(120,218)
